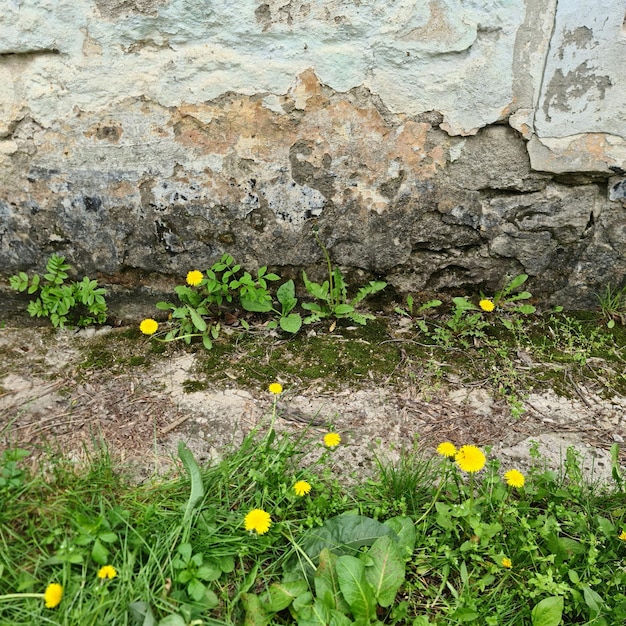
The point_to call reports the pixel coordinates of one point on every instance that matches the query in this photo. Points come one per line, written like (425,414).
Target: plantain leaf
(548,612)
(291,323)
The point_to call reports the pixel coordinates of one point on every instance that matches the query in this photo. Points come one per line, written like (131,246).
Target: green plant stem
(330,271)
(95,617)
(298,549)
(442,482)
(15,596)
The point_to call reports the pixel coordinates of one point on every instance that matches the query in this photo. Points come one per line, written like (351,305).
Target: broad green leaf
(197,488)
(286,295)
(344,534)
(255,306)
(526,309)
(164,306)
(206,341)
(198,322)
(185,550)
(304,599)
(339,619)
(387,571)
(522,295)
(606,527)
(317,614)
(255,613)
(227,564)
(99,553)
(517,281)
(405,530)
(312,306)
(462,303)
(291,323)
(195,589)
(573,576)
(107,537)
(548,612)
(210,600)
(593,600)
(343,309)
(327,584)
(208,572)
(280,595)
(357,592)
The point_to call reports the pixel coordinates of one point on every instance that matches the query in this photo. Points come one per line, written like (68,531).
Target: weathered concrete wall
(440,143)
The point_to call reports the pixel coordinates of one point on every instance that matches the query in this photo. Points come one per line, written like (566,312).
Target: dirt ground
(52,394)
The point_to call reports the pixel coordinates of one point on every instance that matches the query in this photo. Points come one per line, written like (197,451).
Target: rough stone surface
(152,137)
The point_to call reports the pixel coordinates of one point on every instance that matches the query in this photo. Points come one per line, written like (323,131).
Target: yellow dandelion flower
(506,562)
(194,277)
(258,521)
(514,478)
(470,459)
(332,440)
(275,388)
(108,571)
(149,326)
(487,305)
(302,488)
(446,449)
(53,595)
(622,536)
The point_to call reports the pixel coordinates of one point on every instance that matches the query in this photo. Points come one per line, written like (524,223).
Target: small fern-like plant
(64,303)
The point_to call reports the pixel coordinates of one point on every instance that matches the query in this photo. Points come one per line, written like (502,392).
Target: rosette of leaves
(200,306)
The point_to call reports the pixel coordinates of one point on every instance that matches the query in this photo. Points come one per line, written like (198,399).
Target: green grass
(419,542)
